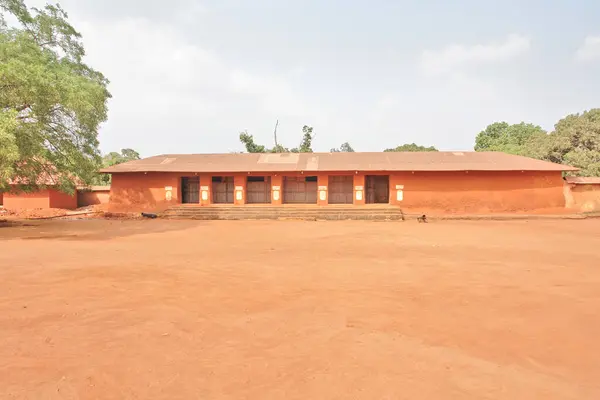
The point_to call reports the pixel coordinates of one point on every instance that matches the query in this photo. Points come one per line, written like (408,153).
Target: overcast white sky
(188,75)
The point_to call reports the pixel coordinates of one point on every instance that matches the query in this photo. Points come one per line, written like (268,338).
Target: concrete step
(289,217)
(278,209)
(374,212)
(279,213)
(301,213)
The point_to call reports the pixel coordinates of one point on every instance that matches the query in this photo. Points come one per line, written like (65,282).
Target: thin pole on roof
(275,134)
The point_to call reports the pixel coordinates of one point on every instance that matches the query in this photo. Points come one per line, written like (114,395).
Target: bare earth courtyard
(160,309)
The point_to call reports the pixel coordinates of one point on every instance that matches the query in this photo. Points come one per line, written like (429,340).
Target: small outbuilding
(45,198)
(48,196)
(583,193)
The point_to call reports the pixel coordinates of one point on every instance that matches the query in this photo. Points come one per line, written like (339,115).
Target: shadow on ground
(86,229)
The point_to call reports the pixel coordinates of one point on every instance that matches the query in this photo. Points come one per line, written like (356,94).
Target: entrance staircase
(301,212)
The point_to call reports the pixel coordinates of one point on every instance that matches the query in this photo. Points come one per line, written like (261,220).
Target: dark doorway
(300,190)
(378,189)
(190,190)
(341,189)
(258,189)
(222,189)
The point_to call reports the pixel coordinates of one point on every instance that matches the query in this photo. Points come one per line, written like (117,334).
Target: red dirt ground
(156,309)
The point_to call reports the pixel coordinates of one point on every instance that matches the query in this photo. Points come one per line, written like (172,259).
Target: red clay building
(50,197)
(45,198)
(452,181)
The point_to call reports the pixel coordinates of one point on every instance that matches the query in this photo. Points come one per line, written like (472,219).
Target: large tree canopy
(412,147)
(575,141)
(51,103)
(516,139)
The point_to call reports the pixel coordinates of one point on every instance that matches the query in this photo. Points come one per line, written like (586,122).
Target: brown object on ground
(156,309)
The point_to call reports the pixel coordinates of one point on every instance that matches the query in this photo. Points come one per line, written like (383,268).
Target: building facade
(450,181)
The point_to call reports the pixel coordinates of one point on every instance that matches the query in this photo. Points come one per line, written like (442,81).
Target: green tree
(279,149)
(516,139)
(411,147)
(130,154)
(306,143)
(114,158)
(344,148)
(250,145)
(51,102)
(576,142)
(304,147)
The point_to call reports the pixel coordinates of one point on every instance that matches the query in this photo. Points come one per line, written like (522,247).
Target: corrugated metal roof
(289,162)
(583,180)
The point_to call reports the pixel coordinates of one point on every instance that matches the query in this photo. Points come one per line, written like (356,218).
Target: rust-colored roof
(43,179)
(583,180)
(289,162)
(47,177)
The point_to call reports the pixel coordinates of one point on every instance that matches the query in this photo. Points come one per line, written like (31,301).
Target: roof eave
(156,170)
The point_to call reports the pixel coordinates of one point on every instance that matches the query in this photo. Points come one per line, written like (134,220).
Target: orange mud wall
(62,200)
(445,191)
(152,191)
(47,198)
(583,197)
(478,191)
(21,201)
(92,197)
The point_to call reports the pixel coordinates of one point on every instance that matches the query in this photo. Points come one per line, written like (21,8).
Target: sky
(187,76)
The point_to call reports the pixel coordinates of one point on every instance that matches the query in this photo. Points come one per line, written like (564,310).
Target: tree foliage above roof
(515,139)
(575,141)
(411,147)
(344,148)
(305,145)
(114,158)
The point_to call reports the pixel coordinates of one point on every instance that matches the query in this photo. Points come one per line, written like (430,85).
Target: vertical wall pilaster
(322,190)
(205,190)
(359,190)
(277,190)
(239,190)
